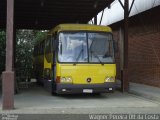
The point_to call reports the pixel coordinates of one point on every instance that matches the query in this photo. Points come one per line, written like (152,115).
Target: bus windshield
(85,47)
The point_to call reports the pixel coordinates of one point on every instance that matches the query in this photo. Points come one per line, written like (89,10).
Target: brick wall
(144,49)
(144,58)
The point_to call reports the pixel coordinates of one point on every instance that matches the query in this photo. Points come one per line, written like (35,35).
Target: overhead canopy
(45,14)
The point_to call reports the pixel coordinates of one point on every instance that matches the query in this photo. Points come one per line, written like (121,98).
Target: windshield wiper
(79,54)
(97,57)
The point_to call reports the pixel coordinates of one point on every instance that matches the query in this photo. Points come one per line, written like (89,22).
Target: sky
(115,13)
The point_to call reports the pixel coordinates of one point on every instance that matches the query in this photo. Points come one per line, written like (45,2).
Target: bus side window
(48,46)
(52,43)
(55,41)
(38,47)
(42,49)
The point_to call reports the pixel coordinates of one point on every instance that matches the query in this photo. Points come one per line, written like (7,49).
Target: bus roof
(80,27)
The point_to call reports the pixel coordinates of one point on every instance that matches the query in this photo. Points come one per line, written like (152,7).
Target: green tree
(25,41)
(2,50)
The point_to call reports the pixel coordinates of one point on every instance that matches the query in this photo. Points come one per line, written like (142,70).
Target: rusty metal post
(8,74)
(124,74)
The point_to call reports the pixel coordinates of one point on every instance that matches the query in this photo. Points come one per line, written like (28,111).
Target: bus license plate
(87,91)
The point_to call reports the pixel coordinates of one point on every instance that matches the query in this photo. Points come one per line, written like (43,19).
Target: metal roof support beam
(101,17)
(8,74)
(131,7)
(123,6)
(95,20)
(92,22)
(121,3)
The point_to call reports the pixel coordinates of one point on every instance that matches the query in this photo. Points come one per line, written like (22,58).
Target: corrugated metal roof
(45,14)
(116,13)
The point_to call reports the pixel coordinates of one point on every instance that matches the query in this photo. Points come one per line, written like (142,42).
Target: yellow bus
(76,58)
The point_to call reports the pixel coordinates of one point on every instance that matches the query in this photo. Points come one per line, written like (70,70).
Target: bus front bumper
(85,88)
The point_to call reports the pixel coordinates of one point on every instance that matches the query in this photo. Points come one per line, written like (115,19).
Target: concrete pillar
(8,74)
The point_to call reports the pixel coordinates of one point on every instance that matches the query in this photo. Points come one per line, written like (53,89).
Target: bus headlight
(110,79)
(66,80)
(63,79)
(69,79)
